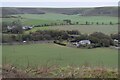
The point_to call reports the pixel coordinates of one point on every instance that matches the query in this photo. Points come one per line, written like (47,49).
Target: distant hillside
(109,11)
(8,11)
(68,11)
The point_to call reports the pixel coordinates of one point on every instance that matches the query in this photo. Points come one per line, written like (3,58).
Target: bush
(60,43)
(89,46)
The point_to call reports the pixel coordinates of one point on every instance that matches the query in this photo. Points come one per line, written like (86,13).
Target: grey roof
(85,41)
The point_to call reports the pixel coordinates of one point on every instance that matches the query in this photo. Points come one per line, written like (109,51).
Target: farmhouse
(27,27)
(83,42)
(116,42)
(24,27)
(10,27)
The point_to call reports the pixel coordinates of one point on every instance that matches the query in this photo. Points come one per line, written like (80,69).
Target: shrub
(59,72)
(60,43)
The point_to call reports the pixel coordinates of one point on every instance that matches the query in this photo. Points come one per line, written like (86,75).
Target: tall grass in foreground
(10,71)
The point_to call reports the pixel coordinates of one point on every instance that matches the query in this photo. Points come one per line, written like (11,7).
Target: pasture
(53,54)
(0,55)
(36,19)
(107,29)
(48,18)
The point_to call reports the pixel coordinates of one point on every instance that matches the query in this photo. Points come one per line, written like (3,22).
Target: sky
(59,0)
(58,3)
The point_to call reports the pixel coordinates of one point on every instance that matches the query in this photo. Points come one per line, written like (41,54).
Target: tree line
(69,22)
(97,38)
(18,25)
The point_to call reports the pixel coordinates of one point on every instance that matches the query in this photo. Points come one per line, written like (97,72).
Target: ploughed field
(52,54)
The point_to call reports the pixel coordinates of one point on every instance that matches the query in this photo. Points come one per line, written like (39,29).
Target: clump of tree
(97,39)
(111,23)
(73,32)
(97,23)
(115,36)
(87,23)
(81,37)
(101,39)
(38,35)
(67,21)
(16,27)
(4,26)
(60,43)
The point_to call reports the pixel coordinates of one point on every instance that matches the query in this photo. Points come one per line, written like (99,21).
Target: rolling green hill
(35,19)
(98,11)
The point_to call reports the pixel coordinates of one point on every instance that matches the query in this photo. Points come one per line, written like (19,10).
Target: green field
(53,54)
(107,29)
(0,55)
(48,18)
(35,19)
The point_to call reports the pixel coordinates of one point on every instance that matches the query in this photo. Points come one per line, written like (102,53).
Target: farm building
(116,42)
(27,27)
(24,27)
(84,42)
(10,27)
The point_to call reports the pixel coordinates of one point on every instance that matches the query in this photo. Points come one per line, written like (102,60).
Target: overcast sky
(59,0)
(58,3)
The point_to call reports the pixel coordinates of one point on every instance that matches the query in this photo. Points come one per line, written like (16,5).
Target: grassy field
(52,54)
(35,19)
(48,18)
(107,29)
(0,54)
